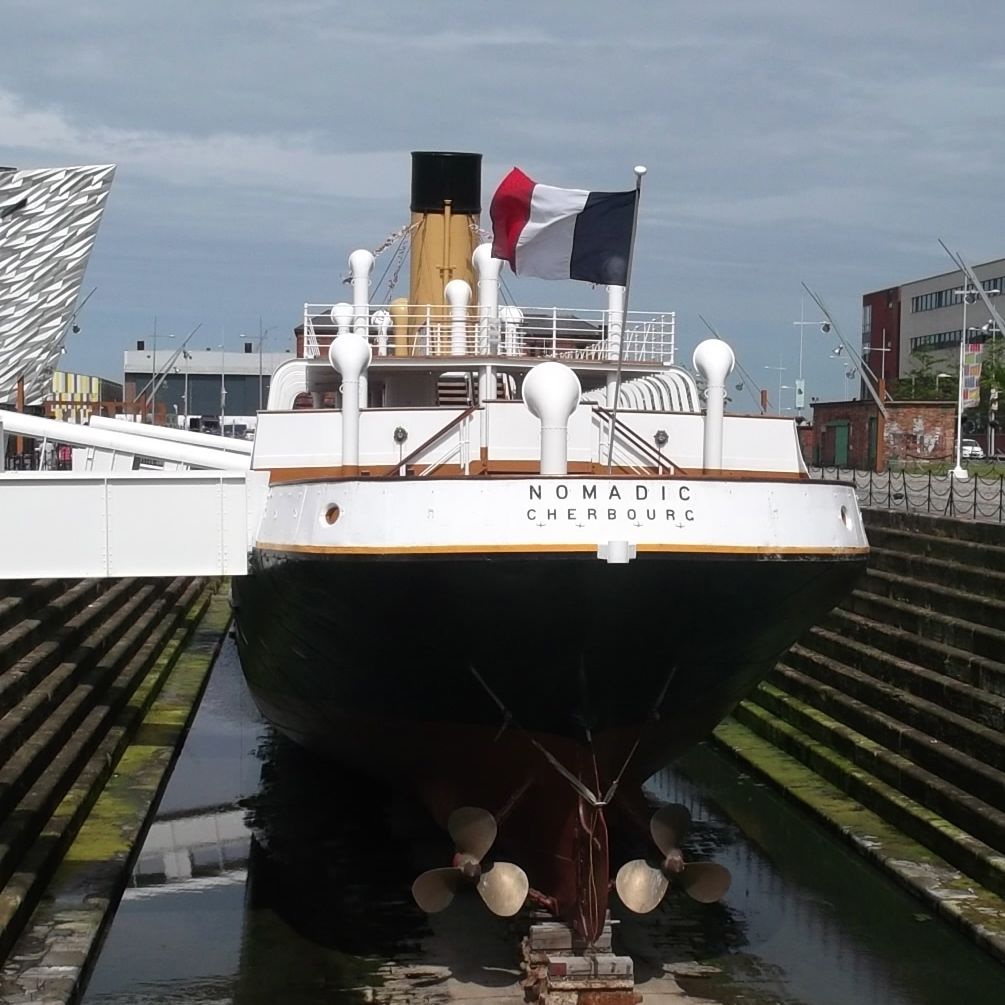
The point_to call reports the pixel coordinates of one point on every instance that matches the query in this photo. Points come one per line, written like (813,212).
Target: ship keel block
(561,969)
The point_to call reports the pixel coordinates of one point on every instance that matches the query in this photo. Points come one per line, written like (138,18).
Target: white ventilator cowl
(458,295)
(350,354)
(714,360)
(551,392)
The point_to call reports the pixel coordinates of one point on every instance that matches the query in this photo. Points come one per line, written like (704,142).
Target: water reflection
(270,876)
(820,925)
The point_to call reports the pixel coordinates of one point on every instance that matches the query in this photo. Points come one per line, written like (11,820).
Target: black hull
(450,678)
(563,643)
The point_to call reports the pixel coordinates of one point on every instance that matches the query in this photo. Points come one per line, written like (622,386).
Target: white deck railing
(549,332)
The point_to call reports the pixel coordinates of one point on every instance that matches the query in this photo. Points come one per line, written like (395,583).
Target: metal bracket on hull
(616,552)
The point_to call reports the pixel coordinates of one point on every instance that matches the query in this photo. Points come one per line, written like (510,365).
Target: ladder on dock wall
(898,697)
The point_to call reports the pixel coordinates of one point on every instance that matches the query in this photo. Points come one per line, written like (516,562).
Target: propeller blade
(504,888)
(669,825)
(705,882)
(435,888)
(473,831)
(640,886)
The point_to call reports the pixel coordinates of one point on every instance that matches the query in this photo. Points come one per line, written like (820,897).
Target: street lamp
(262,336)
(824,327)
(186,356)
(778,401)
(155,373)
(223,390)
(968,296)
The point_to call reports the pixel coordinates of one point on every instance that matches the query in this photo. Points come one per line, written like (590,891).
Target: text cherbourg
(584,502)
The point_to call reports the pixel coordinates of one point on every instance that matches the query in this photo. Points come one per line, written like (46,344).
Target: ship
(514,560)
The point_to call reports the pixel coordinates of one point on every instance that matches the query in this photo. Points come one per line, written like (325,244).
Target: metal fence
(979,497)
(32,460)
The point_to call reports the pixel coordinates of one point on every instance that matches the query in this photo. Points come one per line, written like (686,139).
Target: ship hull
(522,683)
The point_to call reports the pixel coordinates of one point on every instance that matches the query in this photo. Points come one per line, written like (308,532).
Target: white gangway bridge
(140,500)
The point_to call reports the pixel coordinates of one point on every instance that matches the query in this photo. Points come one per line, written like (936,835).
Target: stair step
(932,685)
(58,641)
(900,756)
(45,767)
(949,602)
(26,886)
(24,598)
(32,631)
(979,672)
(965,852)
(33,731)
(973,578)
(964,541)
(947,727)
(929,624)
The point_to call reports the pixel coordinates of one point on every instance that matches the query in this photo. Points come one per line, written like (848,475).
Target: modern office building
(197,386)
(48,222)
(927,318)
(75,397)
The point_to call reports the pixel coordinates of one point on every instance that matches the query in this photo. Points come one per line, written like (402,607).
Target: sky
(258,143)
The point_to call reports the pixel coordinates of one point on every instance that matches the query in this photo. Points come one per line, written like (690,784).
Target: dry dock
(99,682)
(885,722)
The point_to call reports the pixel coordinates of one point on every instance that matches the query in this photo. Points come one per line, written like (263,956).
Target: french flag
(562,233)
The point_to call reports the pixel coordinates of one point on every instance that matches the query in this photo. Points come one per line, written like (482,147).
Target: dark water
(270,877)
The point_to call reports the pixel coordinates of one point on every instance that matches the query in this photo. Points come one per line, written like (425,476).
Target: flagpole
(640,170)
(960,472)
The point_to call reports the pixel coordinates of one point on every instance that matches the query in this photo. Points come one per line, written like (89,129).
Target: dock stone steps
(100,686)
(926,595)
(910,676)
(46,621)
(24,675)
(892,757)
(934,720)
(977,580)
(47,715)
(927,623)
(19,599)
(979,672)
(897,697)
(911,535)
(968,854)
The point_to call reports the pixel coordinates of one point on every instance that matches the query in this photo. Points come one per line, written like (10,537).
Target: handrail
(450,451)
(455,421)
(658,457)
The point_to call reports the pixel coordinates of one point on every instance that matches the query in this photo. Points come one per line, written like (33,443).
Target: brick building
(853,434)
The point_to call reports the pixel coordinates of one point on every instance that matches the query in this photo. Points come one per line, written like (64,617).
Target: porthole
(332,513)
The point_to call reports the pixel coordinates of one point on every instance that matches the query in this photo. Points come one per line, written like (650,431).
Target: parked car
(971,450)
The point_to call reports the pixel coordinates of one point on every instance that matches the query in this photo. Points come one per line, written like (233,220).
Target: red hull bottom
(543,790)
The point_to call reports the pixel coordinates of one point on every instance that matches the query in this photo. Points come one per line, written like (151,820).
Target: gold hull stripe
(494,549)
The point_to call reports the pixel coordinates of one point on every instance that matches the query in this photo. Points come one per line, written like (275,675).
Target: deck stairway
(80,662)
(460,391)
(898,697)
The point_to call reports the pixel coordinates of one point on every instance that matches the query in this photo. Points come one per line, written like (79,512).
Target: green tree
(922,383)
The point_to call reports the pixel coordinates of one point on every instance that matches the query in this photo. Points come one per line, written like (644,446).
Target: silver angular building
(48,222)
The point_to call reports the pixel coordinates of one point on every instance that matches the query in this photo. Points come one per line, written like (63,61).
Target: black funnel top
(437,177)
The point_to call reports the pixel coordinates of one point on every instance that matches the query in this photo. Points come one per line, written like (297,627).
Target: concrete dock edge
(950,894)
(53,957)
